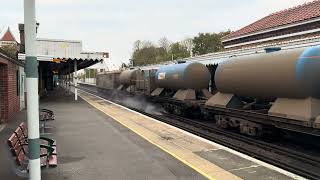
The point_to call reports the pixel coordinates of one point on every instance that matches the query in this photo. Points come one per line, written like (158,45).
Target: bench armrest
(49,149)
(47,111)
(50,141)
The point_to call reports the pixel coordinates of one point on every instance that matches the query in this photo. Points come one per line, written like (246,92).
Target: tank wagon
(257,94)
(108,80)
(127,80)
(145,81)
(181,87)
(279,89)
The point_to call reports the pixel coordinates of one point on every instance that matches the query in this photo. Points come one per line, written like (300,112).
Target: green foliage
(82,76)
(148,55)
(146,52)
(10,50)
(178,51)
(206,43)
(92,73)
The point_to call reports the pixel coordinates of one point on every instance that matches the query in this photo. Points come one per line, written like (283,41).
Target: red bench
(44,140)
(44,116)
(18,150)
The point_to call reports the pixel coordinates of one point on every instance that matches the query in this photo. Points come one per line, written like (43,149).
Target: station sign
(56,60)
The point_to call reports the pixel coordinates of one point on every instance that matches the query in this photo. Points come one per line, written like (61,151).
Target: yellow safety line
(149,140)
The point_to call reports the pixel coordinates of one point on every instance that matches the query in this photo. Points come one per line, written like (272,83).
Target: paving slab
(208,158)
(92,145)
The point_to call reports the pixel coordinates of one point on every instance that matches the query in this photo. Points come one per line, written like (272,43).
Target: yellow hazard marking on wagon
(178,145)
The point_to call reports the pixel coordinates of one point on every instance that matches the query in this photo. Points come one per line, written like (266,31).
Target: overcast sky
(113,25)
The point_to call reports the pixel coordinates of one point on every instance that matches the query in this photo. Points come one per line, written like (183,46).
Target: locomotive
(257,94)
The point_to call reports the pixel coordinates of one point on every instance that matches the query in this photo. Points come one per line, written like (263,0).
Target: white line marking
(248,167)
(2,126)
(269,166)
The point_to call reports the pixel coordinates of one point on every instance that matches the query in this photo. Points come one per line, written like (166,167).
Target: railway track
(291,160)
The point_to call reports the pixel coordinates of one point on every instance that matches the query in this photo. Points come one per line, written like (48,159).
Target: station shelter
(59,59)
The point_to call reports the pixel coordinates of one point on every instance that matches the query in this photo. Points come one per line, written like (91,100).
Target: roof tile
(8,36)
(296,14)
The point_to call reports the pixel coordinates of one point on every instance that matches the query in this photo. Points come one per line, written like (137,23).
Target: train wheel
(250,128)
(221,121)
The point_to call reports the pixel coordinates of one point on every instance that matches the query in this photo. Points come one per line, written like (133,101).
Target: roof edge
(7,57)
(273,29)
(59,40)
(8,30)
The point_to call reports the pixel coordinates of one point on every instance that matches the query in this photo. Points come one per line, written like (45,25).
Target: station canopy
(59,55)
(65,65)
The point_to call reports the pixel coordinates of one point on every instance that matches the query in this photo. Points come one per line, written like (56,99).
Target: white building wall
(59,48)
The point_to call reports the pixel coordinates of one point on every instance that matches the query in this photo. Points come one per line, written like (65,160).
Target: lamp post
(31,69)
(75,80)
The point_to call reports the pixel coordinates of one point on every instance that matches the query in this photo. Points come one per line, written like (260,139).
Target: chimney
(22,40)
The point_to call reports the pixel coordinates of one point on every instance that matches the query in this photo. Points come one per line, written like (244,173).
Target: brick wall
(9,100)
(3,92)
(13,98)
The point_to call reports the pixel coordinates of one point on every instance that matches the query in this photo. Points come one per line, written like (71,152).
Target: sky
(114,25)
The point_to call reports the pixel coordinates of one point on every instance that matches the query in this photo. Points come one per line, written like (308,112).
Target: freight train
(256,95)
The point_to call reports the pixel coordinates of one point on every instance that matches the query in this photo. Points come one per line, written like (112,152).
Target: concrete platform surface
(209,159)
(93,146)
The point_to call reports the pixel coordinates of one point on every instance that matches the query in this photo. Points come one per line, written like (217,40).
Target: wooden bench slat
(53,160)
(12,141)
(18,145)
(20,158)
(43,161)
(22,126)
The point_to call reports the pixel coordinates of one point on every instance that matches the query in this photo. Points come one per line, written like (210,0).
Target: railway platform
(97,139)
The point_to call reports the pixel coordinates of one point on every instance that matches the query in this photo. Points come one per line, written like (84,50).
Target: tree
(146,55)
(146,52)
(178,51)
(10,50)
(207,43)
(137,45)
(147,44)
(92,73)
(188,43)
(164,43)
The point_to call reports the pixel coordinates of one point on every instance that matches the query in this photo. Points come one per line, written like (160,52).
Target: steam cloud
(137,102)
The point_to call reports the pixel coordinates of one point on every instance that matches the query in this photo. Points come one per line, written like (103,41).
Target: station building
(287,29)
(293,26)
(8,39)
(57,59)
(12,97)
